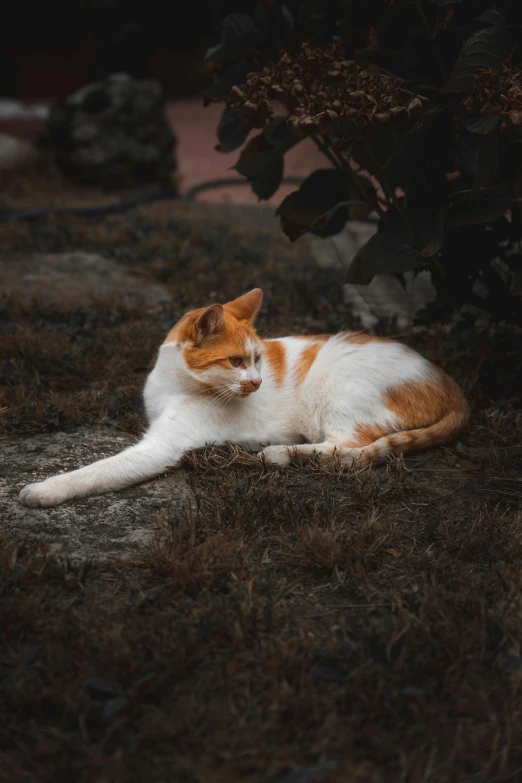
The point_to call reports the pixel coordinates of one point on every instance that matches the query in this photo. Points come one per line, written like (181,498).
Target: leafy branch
(445,130)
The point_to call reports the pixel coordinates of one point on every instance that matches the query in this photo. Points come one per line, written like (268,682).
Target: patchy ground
(296,626)
(119,524)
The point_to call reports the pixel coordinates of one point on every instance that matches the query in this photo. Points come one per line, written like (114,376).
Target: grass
(301,625)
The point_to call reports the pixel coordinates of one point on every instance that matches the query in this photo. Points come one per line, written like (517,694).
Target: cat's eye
(235,361)
(257,359)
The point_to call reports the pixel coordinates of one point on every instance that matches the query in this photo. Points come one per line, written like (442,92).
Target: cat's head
(220,347)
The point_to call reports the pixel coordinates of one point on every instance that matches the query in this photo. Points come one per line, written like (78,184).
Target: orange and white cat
(353,395)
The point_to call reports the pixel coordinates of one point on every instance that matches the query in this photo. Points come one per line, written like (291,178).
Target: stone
(115,525)
(14,152)
(384,299)
(20,110)
(113,134)
(75,279)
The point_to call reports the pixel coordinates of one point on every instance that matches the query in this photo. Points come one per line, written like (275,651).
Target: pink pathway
(196,125)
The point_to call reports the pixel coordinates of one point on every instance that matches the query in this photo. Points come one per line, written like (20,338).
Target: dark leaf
(333,224)
(404,239)
(377,153)
(492,16)
(393,157)
(319,198)
(385,253)
(344,130)
(430,231)
(487,48)
(481,125)
(220,89)
(266,184)
(479,205)
(466,161)
(425,122)
(279,134)
(515,264)
(425,194)
(239,38)
(232,131)
(421,222)
(488,159)
(261,160)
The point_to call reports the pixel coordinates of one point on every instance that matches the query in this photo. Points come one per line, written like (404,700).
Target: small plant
(423,95)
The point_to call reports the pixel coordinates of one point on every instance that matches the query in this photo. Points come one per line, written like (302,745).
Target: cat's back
(349,356)
(360,355)
(336,383)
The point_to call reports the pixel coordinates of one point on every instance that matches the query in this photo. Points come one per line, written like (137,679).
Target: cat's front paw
(42,494)
(276,455)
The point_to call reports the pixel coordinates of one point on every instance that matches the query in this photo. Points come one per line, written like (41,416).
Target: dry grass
(301,625)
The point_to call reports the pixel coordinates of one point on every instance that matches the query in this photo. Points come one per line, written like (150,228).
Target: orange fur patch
(275,353)
(366,434)
(305,361)
(182,330)
(361,338)
(245,307)
(429,413)
(418,404)
(231,341)
(322,338)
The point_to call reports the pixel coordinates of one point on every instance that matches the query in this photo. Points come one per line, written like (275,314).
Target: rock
(384,299)
(13,110)
(112,133)
(74,280)
(13,152)
(340,249)
(117,524)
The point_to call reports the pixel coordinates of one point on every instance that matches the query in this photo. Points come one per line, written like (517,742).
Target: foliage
(423,95)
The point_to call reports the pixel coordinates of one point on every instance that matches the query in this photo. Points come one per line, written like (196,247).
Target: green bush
(424,95)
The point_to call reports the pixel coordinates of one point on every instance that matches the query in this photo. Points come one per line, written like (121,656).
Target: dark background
(47,50)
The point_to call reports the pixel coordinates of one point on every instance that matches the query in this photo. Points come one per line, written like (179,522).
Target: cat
(215,380)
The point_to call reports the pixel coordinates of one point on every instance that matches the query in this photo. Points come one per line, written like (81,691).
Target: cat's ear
(209,323)
(245,307)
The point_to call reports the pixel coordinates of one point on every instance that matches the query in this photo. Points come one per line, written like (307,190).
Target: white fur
(342,389)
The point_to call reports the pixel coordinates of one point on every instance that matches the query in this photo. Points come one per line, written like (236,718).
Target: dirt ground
(302,625)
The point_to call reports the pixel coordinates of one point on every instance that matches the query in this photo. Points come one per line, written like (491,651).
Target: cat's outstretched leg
(146,460)
(189,426)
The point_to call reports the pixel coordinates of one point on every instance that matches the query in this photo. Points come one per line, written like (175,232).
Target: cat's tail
(445,430)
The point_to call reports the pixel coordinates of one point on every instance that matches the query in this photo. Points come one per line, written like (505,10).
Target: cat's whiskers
(223,396)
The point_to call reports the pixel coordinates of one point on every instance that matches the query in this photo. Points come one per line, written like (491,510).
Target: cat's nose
(255,384)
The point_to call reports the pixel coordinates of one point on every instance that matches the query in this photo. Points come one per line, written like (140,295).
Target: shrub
(423,95)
